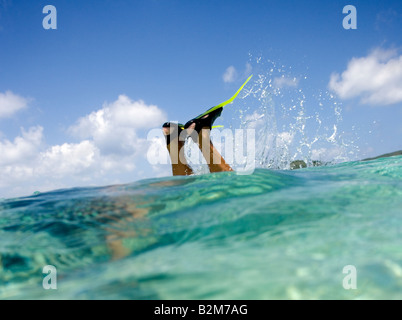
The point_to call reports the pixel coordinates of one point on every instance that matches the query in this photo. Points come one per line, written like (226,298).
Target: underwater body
(273,234)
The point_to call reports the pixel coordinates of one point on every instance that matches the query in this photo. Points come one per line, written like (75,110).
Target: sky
(78,101)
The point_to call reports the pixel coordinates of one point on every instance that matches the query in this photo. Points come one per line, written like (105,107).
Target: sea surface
(328,232)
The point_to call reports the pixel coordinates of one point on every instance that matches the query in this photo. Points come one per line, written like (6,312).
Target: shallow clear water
(269,235)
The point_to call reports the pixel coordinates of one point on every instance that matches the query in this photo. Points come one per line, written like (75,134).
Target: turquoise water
(275,234)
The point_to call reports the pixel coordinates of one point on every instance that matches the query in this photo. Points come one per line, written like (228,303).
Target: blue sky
(166,60)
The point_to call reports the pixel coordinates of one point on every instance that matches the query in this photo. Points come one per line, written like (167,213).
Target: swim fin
(213,113)
(175,133)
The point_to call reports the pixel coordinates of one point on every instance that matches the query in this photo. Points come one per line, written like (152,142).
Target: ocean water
(274,234)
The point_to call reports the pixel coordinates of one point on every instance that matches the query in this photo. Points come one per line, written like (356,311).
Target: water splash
(293,123)
(295,126)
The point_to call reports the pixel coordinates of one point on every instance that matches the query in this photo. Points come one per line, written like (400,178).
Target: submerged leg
(117,220)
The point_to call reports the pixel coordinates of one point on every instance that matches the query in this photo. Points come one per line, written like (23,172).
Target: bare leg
(176,153)
(116,225)
(215,161)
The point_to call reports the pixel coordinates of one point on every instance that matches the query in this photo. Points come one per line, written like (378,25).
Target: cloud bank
(111,147)
(376,79)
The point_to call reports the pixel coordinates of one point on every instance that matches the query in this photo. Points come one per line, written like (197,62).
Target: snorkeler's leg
(116,247)
(205,121)
(214,159)
(175,146)
(117,226)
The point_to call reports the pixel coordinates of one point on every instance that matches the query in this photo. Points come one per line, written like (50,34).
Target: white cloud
(375,79)
(112,148)
(22,148)
(281,82)
(123,113)
(11,103)
(26,162)
(114,128)
(327,154)
(68,158)
(230,74)
(248,70)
